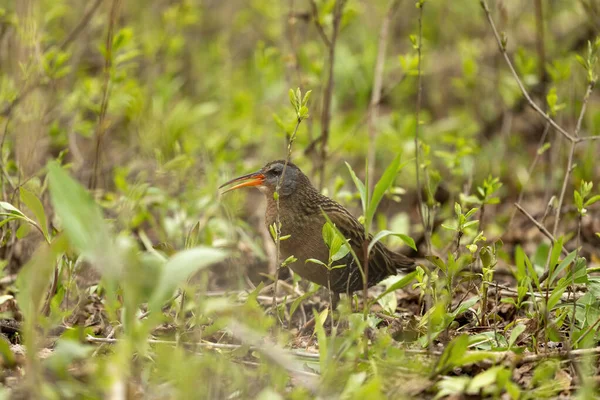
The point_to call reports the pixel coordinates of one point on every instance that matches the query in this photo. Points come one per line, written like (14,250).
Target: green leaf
(382,186)
(292,96)
(306,97)
(516,332)
(315,261)
(178,268)
(405,238)
(361,188)
(12,210)
(592,200)
(35,205)
(564,263)
(453,353)
(457,209)
(23,231)
(578,200)
(465,305)
(300,299)
(337,231)
(471,212)
(341,253)
(35,276)
(557,293)
(80,216)
(484,379)
(320,319)
(470,223)
(8,356)
(408,278)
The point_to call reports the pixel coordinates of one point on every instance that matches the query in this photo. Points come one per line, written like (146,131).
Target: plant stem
(278,219)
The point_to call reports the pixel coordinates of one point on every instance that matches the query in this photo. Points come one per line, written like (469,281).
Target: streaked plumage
(301,217)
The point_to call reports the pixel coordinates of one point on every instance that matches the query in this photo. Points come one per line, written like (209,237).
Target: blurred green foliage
(197,91)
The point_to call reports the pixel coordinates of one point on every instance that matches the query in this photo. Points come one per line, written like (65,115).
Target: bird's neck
(300,203)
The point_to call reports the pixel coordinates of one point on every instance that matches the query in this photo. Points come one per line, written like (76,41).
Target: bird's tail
(403,263)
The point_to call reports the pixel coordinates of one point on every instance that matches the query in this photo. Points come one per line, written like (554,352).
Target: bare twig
(373,111)
(530,172)
(320,30)
(540,43)
(326,110)
(502,47)
(423,209)
(561,198)
(540,227)
(87,16)
(100,127)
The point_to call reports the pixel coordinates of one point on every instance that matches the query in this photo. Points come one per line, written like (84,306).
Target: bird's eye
(275,171)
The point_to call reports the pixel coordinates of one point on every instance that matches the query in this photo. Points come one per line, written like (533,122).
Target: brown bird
(300,206)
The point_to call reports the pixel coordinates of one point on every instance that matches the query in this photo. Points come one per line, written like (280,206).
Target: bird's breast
(305,242)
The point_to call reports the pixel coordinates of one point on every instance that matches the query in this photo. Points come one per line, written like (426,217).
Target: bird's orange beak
(253,179)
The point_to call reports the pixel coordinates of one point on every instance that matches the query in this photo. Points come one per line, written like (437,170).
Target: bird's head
(268,177)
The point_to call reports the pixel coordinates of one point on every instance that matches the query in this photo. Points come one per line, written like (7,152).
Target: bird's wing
(380,262)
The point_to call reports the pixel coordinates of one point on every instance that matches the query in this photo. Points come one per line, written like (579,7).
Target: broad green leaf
(405,238)
(300,299)
(361,188)
(465,305)
(470,223)
(554,256)
(337,232)
(557,293)
(382,186)
(23,231)
(35,276)
(515,333)
(408,278)
(11,209)
(320,319)
(179,267)
(35,205)
(338,248)
(453,353)
(342,252)
(80,216)
(592,200)
(564,263)
(8,356)
(578,200)
(471,212)
(353,384)
(484,379)
(520,263)
(315,261)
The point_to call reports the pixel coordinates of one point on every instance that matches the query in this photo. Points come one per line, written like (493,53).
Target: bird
(301,208)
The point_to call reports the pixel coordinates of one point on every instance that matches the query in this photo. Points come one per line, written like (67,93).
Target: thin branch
(563,191)
(423,209)
(502,48)
(320,30)
(87,16)
(540,227)
(326,110)
(100,127)
(587,138)
(530,171)
(373,111)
